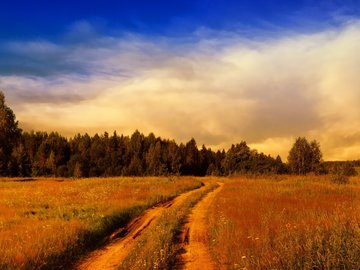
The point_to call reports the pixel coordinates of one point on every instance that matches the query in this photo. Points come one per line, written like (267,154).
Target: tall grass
(45,224)
(286,223)
(158,247)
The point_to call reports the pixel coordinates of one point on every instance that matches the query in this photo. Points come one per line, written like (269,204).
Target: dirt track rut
(111,255)
(194,236)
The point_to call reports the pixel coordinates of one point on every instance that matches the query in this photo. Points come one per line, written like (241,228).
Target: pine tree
(237,159)
(23,161)
(191,162)
(9,135)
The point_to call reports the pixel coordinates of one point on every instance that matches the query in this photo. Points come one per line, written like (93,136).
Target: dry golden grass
(286,223)
(45,223)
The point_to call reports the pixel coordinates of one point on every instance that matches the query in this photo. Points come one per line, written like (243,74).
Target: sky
(220,71)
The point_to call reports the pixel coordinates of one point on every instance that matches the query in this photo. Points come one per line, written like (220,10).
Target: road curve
(123,240)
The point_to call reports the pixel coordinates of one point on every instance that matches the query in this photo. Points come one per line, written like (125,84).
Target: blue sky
(219,71)
(51,19)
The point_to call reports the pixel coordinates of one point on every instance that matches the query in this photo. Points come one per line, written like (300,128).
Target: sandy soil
(194,236)
(111,255)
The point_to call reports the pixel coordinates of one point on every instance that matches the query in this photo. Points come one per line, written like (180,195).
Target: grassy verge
(158,248)
(48,224)
(292,223)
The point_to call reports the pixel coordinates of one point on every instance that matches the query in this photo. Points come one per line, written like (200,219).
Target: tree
(43,154)
(135,168)
(316,157)
(79,162)
(279,166)
(173,157)
(23,161)
(53,152)
(205,158)
(9,134)
(153,159)
(345,168)
(237,159)
(191,158)
(305,157)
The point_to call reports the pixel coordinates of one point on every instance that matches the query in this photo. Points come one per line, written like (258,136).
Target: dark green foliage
(340,179)
(191,159)
(240,159)
(341,170)
(305,157)
(237,159)
(346,168)
(9,137)
(22,161)
(52,153)
(43,154)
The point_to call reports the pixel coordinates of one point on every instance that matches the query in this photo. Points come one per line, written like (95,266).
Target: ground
(281,222)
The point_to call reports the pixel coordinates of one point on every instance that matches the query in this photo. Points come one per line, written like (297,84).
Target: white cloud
(219,90)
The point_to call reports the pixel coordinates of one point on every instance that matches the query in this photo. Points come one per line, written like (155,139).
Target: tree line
(43,154)
(50,154)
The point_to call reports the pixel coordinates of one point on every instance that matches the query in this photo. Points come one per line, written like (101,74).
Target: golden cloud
(266,92)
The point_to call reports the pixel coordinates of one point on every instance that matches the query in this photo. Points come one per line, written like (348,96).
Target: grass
(47,223)
(158,247)
(286,223)
(277,222)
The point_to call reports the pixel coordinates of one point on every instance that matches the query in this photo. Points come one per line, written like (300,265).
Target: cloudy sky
(219,71)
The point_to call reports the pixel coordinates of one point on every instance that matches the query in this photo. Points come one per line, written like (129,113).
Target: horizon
(256,71)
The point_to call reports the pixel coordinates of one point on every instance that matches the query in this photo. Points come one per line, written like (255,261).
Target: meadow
(264,222)
(286,222)
(46,223)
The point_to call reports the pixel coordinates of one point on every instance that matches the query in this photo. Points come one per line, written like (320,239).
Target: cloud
(219,88)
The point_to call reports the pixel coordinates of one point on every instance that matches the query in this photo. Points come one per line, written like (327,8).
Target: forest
(51,154)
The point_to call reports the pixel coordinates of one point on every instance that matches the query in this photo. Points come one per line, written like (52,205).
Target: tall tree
(316,157)
(237,159)
(9,134)
(154,160)
(304,157)
(191,158)
(23,161)
(173,158)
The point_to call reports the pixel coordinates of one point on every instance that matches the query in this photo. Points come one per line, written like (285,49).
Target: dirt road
(112,254)
(194,236)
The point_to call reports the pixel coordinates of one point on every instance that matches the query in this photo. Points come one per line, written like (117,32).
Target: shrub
(346,169)
(340,179)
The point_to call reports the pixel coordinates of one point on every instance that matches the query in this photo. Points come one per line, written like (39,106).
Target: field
(286,223)
(279,222)
(46,222)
